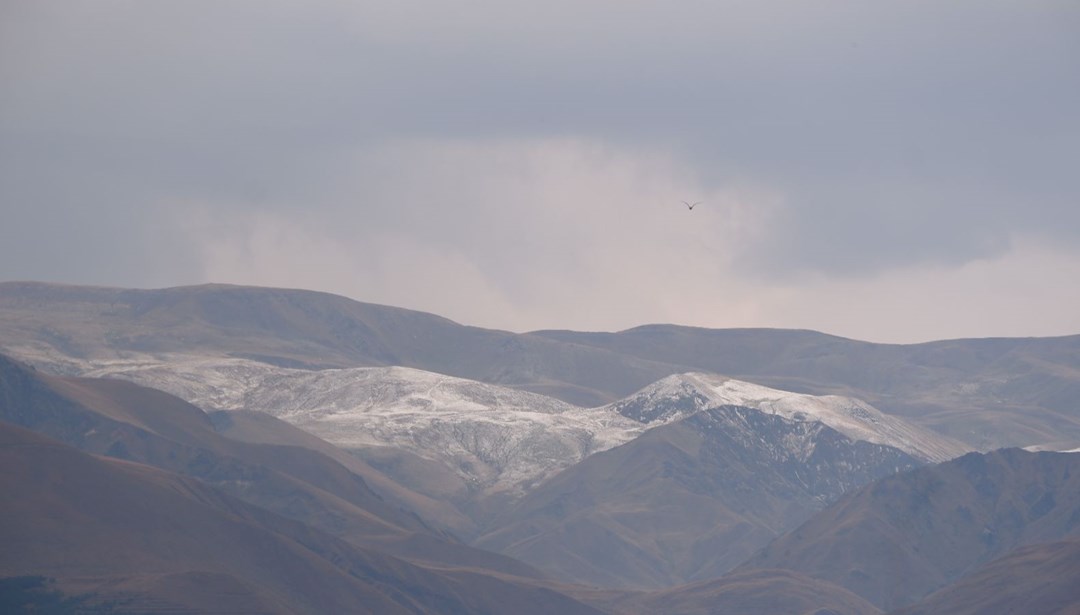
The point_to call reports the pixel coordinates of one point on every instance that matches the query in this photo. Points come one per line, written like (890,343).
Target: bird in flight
(691,205)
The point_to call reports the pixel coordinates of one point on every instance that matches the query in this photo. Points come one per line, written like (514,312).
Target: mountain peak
(682,395)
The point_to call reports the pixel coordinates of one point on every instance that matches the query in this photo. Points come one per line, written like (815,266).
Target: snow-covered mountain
(682,395)
(495,439)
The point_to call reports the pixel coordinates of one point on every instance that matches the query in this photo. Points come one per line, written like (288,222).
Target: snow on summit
(496,439)
(680,395)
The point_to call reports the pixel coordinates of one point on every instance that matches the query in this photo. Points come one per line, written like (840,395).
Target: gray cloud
(522,149)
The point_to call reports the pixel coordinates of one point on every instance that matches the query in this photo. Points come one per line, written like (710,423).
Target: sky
(893,171)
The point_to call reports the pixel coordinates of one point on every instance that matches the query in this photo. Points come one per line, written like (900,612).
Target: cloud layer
(893,171)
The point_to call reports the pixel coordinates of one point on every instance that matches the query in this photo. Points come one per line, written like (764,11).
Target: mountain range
(481,448)
(110,532)
(427,466)
(989,393)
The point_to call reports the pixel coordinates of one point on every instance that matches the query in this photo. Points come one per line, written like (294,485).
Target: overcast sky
(891,171)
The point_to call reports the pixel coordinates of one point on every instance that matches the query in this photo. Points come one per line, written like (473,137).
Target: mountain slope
(896,540)
(1042,578)
(766,591)
(135,534)
(262,428)
(127,421)
(687,500)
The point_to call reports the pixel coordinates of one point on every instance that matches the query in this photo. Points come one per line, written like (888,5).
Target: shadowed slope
(128,531)
(685,501)
(902,537)
(262,428)
(1043,578)
(126,421)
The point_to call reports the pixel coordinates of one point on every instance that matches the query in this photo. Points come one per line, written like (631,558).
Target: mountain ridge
(989,393)
(494,439)
(898,539)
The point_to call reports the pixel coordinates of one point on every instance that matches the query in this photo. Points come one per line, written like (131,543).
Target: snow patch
(854,418)
(495,438)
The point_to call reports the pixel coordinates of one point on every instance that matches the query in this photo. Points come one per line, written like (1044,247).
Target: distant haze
(889,171)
